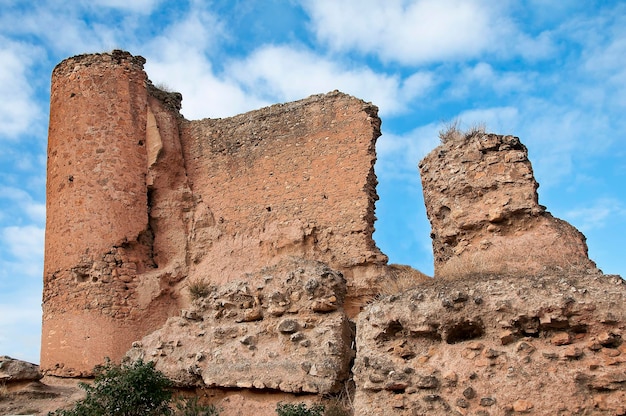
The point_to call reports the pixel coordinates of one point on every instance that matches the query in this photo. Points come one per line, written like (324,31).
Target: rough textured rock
(286,331)
(233,253)
(12,370)
(141,201)
(23,392)
(549,345)
(481,200)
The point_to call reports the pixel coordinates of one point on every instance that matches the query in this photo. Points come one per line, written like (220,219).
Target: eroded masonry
(237,255)
(141,202)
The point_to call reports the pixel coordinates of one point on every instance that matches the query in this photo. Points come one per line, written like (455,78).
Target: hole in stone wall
(464,331)
(528,326)
(80,276)
(443,213)
(393,327)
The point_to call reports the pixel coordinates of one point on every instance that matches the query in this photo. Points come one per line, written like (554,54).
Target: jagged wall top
(482,203)
(141,202)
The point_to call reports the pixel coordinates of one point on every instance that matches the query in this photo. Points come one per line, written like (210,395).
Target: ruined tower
(98,234)
(482,203)
(140,202)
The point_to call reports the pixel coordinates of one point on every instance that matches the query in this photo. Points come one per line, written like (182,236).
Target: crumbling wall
(266,218)
(481,200)
(545,345)
(141,202)
(283,329)
(292,179)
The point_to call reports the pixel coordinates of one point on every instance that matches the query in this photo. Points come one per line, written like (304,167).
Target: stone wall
(286,332)
(141,202)
(292,179)
(543,345)
(481,200)
(237,254)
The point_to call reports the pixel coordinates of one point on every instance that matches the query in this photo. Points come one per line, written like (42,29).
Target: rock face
(12,370)
(141,201)
(481,200)
(545,345)
(237,254)
(285,332)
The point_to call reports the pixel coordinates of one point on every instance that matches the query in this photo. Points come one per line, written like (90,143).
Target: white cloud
(21,202)
(595,215)
(204,93)
(180,59)
(482,77)
(283,73)
(18,108)
(408,32)
(20,325)
(419,31)
(499,120)
(25,243)
(139,6)
(399,155)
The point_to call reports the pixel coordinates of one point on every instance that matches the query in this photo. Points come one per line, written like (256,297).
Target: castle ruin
(271,214)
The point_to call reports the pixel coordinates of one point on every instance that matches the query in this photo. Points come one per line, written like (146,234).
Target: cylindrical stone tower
(98,237)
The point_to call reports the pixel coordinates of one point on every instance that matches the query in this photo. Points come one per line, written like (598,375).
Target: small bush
(199,289)
(129,390)
(300,409)
(335,409)
(135,389)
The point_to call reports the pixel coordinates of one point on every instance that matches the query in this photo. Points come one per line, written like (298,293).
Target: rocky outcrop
(287,332)
(23,392)
(141,201)
(481,200)
(237,254)
(12,370)
(545,345)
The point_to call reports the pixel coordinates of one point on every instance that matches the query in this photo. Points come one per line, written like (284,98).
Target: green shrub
(300,409)
(135,389)
(128,390)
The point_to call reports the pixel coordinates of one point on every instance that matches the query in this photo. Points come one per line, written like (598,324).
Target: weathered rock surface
(286,331)
(546,345)
(481,200)
(234,252)
(140,201)
(12,370)
(23,392)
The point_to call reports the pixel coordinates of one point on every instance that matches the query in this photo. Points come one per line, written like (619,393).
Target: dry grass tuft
(452,131)
(4,391)
(340,404)
(199,289)
(506,256)
(400,278)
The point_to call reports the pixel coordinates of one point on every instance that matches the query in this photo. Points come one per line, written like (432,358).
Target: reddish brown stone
(141,201)
(481,200)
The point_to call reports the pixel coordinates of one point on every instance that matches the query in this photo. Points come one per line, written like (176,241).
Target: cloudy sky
(550,72)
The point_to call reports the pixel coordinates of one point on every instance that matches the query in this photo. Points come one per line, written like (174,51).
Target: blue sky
(550,72)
